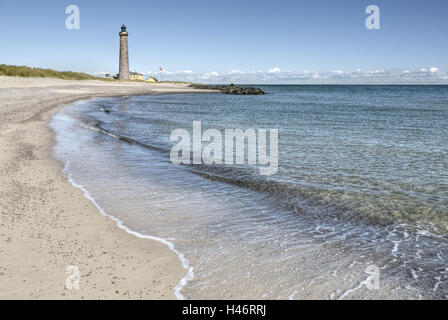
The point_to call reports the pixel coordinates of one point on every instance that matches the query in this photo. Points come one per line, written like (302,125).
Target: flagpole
(161,71)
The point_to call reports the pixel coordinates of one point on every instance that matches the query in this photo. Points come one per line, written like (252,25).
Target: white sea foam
(349,291)
(189,275)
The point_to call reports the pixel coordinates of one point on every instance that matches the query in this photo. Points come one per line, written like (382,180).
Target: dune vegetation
(23,71)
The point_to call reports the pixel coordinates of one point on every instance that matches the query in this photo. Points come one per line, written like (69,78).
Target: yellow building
(152,79)
(135,76)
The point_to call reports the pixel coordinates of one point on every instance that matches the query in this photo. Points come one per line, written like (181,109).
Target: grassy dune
(23,71)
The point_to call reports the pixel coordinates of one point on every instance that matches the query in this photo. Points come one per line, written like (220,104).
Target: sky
(246,41)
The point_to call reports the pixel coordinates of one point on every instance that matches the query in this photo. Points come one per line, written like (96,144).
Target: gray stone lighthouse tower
(124,58)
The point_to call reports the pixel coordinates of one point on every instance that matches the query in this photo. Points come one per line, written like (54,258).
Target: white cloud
(434,70)
(209,75)
(377,71)
(274,70)
(277,76)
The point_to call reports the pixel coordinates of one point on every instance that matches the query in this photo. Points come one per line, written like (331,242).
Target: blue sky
(319,41)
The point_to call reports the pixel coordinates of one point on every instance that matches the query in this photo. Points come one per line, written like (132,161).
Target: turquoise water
(362,180)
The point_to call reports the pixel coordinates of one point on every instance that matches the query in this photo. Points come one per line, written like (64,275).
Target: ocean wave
(309,202)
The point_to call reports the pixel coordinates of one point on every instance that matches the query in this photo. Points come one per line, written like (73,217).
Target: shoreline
(47,224)
(185,263)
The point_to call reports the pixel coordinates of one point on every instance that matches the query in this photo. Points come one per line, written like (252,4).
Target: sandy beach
(47,224)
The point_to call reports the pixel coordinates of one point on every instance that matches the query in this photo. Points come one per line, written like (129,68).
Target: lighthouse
(124,58)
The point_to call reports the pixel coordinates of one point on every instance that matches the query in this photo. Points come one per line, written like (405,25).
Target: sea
(357,209)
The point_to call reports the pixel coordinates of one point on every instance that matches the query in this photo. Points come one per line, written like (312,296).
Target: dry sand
(46,224)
